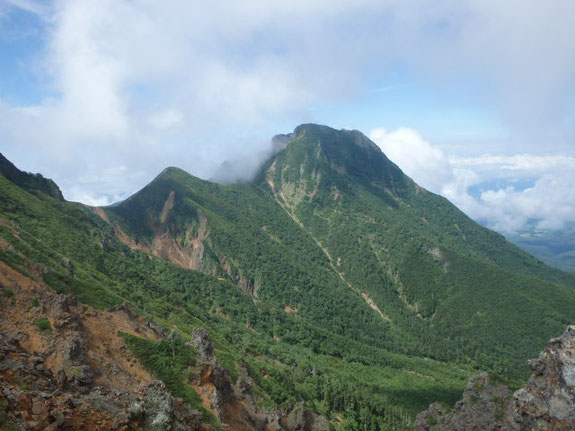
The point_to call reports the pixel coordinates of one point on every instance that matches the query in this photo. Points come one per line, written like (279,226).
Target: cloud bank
(131,87)
(507,193)
(427,165)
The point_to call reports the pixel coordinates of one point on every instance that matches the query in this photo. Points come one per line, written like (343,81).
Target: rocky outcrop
(201,340)
(234,405)
(63,366)
(298,418)
(482,408)
(187,248)
(545,403)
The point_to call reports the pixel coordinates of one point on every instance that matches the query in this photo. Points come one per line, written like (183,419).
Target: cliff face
(546,402)
(233,404)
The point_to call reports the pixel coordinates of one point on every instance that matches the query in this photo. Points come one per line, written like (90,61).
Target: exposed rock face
(300,419)
(233,404)
(201,340)
(482,408)
(545,403)
(185,248)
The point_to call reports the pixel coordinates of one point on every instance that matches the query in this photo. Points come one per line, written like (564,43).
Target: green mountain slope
(352,168)
(361,294)
(429,267)
(30,182)
(72,249)
(250,240)
(333,229)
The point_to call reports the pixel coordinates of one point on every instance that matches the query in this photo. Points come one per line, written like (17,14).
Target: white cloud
(32,6)
(501,203)
(519,51)
(550,202)
(147,84)
(167,119)
(518,164)
(77,194)
(416,157)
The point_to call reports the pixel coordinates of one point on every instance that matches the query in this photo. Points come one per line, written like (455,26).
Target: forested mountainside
(332,281)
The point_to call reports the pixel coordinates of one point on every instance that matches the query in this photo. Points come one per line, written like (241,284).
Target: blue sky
(475,99)
(21,45)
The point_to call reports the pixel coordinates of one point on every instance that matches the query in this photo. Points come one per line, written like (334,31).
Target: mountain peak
(328,132)
(173,173)
(323,132)
(171,170)
(313,128)
(317,148)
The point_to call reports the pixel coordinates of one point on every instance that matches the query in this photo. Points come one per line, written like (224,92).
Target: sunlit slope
(332,271)
(462,288)
(75,249)
(333,231)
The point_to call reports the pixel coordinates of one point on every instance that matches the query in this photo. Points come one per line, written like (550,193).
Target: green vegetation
(7,293)
(170,361)
(287,265)
(478,385)
(5,423)
(43,324)
(31,182)
(3,411)
(167,360)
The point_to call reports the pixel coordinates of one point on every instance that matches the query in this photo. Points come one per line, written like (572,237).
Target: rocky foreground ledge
(545,403)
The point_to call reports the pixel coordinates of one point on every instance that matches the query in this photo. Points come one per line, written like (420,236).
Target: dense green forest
(362,295)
